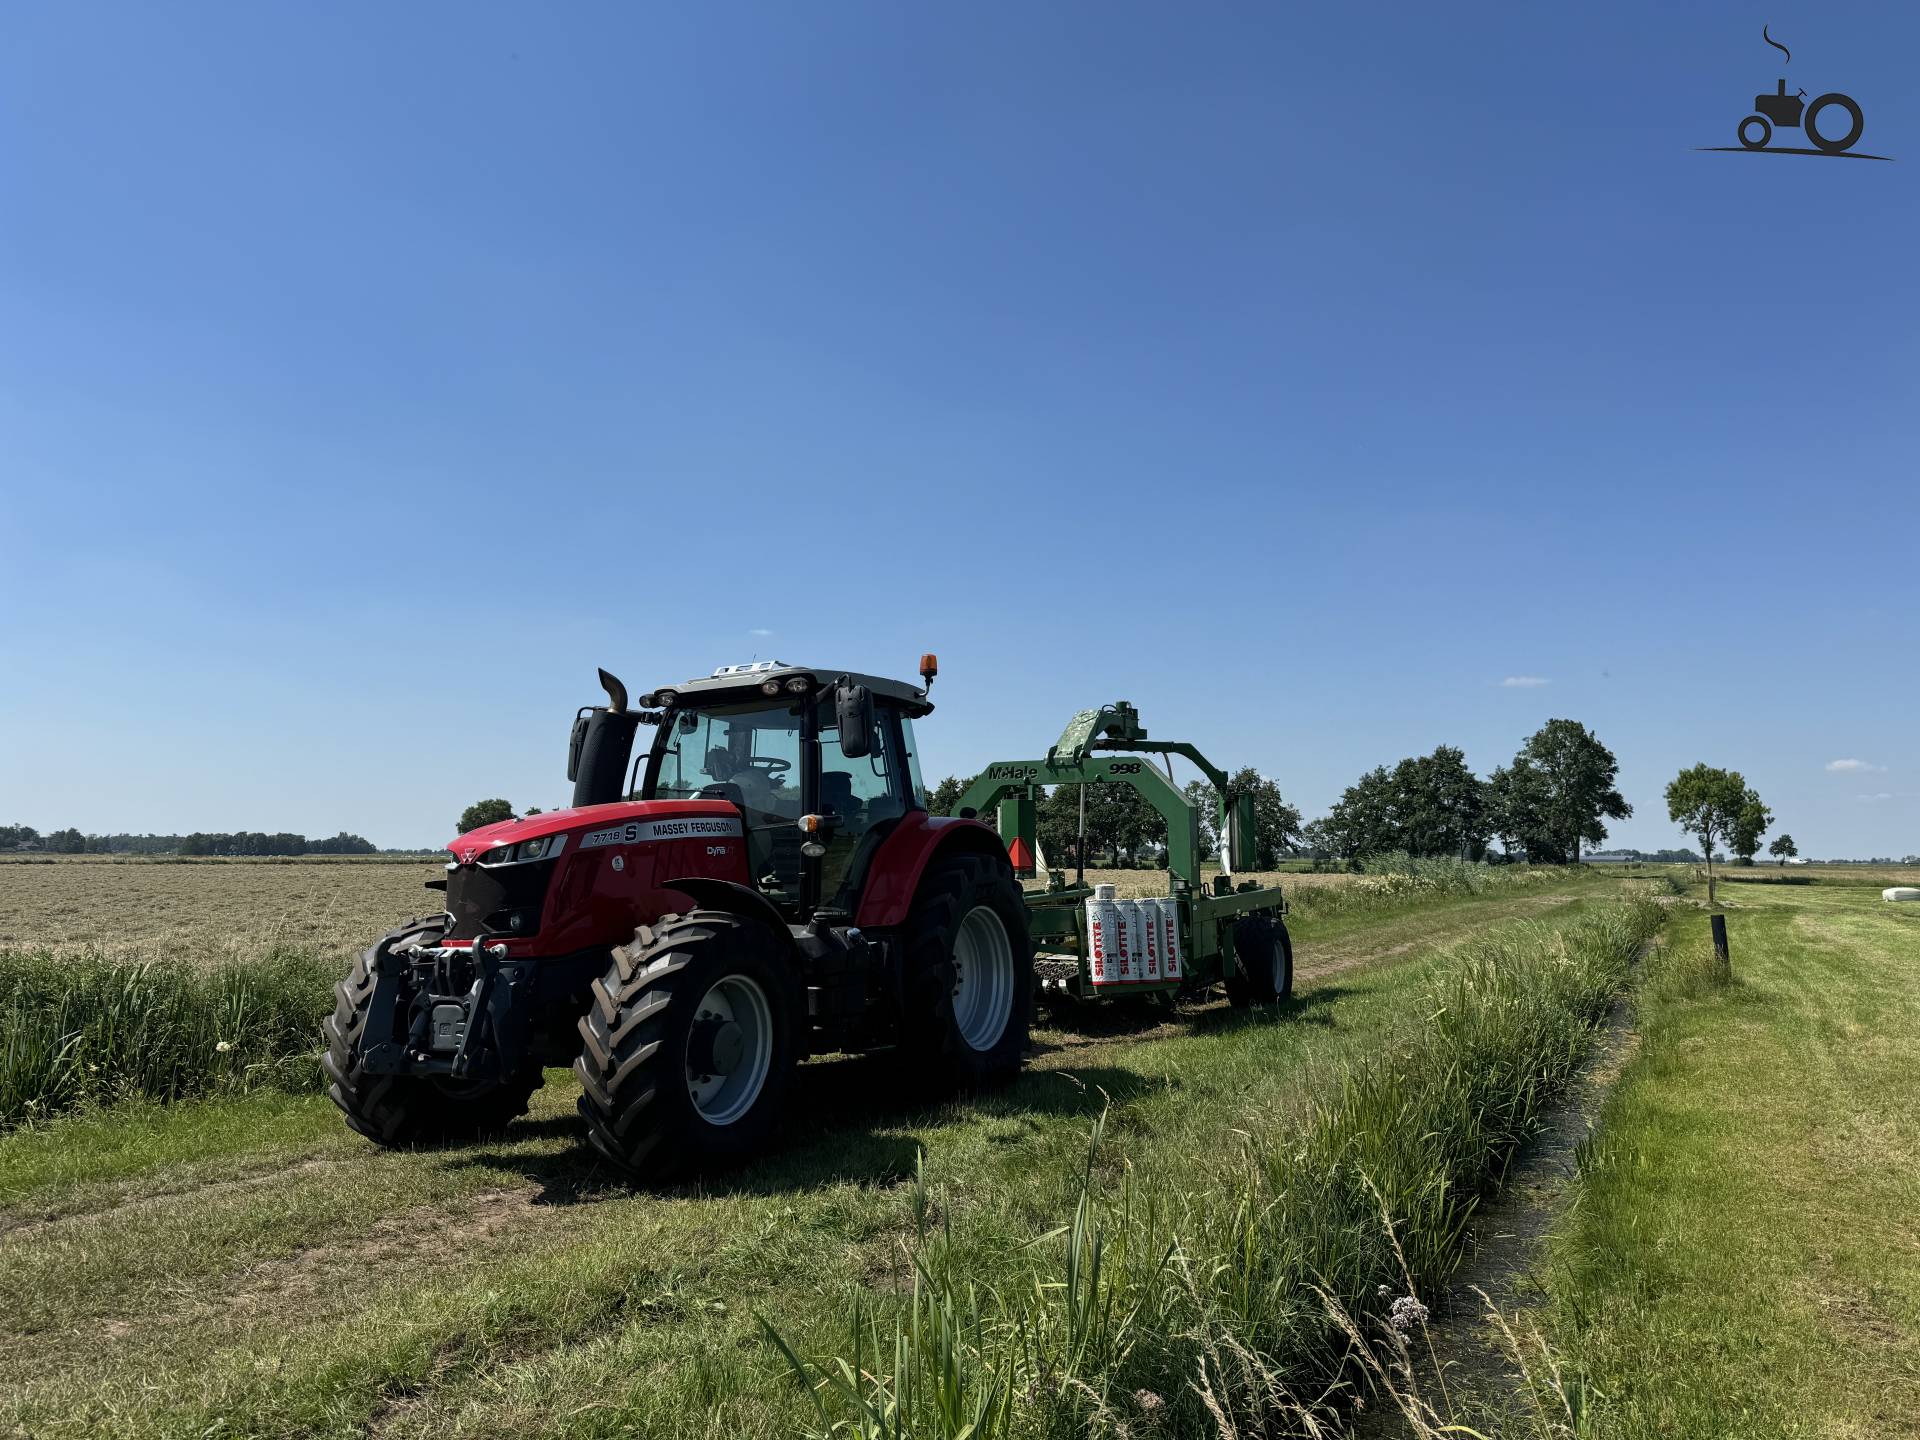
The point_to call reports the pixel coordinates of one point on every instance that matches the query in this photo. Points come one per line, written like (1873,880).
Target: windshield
(749,754)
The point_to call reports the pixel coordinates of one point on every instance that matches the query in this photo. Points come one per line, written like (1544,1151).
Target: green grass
(240,1265)
(81,1026)
(80,1030)
(1741,1259)
(1359,1190)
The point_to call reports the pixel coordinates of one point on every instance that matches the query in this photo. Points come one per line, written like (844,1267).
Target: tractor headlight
(799,685)
(769,687)
(545,848)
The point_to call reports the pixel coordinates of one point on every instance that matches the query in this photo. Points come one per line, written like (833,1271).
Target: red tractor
(775,888)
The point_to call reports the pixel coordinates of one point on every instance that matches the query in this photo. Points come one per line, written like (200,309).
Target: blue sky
(370,374)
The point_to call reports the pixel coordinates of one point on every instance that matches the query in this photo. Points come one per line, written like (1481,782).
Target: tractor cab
(821,767)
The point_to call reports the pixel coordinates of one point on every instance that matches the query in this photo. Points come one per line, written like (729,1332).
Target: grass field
(1869,877)
(241,1265)
(221,909)
(1742,1257)
(208,910)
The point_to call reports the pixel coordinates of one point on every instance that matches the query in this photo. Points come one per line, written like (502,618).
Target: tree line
(243,842)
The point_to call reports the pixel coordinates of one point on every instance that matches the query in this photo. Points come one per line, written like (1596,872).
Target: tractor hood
(592,818)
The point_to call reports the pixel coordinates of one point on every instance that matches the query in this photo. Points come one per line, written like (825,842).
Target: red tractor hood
(586,817)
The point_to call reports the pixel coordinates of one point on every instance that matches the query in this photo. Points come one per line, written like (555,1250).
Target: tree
(1362,820)
(341,844)
(947,794)
(67,842)
(1439,805)
(1516,811)
(1319,842)
(1426,805)
(1748,826)
(1783,849)
(1205,801)
(1575,786)
(484,812)
(1707,801)
(1120,821)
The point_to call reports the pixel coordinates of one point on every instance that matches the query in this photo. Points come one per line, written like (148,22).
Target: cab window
(751,756)
(861,793)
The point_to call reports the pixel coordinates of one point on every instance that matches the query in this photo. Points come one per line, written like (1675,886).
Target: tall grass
(88,1029)
(1395,879)
(1170,1307)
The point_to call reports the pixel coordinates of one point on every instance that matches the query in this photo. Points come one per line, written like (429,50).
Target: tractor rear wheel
(398,1110)
(969,975)
(688,1045)
(1263,952)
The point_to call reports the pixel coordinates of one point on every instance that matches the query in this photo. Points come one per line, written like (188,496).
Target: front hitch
(460,1007)
(487,958)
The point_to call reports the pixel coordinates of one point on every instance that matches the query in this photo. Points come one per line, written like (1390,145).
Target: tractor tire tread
(632,1036)
(1259,934)
(932,1049)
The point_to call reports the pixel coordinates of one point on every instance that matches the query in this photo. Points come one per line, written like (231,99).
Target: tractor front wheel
(398,1110)
(969,975)
(1263,955)
(688,1045)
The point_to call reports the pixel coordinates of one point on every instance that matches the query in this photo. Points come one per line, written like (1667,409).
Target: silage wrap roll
(1105,945)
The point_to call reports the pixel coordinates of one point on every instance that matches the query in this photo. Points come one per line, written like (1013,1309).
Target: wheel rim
(982,978)
(729,1050)
(1279,967)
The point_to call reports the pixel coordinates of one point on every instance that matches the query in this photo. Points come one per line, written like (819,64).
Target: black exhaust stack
(601,745)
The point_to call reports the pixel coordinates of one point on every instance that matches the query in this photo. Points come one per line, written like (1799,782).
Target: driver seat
(836,794)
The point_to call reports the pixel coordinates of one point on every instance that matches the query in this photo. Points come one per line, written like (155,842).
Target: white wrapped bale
(1901,892)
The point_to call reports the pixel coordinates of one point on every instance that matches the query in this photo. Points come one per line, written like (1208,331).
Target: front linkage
(460,1003)
(429,1040)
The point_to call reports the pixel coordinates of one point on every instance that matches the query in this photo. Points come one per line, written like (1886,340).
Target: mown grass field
(211,910)
(1743,1253)
(208,910)
(240,1264)
(1873,877)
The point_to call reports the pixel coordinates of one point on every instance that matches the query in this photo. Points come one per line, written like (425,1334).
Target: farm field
(1866,877)
(208,909)
(1742,1257)
(232,909)
(242,1265)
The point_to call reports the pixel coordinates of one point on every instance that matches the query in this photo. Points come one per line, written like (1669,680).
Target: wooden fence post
(1720,953)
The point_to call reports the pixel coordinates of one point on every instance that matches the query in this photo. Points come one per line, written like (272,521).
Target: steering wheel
(771,764)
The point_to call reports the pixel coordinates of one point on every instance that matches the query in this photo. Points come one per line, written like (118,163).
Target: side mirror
(575,744)
(853,711)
